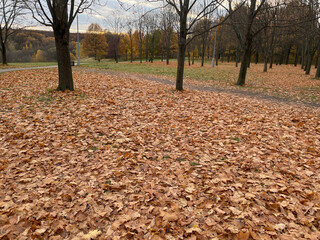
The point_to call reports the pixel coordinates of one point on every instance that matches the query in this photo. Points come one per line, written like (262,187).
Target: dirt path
(241,93)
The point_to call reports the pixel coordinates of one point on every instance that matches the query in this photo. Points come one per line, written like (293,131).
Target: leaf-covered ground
(132,159)
(283,81)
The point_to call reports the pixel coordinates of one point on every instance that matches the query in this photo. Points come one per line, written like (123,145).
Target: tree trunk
(131,49)
(271,59)
(64,61)
(162,51)
(189,58)
(147,47)
(237,58)
(288,55)
(296,57)
(317,60)
(181,58)
(193,56)
(203,52)
(317,76)
(243,68)
(245,61)
(182,44)
(265,65)
(141,51)
(168,45)
(257,57)
(281,58)
(309,63)
(303,56)
(152,47)
(4,53)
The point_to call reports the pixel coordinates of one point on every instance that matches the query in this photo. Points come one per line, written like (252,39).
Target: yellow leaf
(94,234)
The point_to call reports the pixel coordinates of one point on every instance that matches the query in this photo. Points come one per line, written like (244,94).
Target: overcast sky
(104,14)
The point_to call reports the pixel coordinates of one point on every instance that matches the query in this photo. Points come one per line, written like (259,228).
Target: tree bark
(64,61)
(317,60)
(168,41)
(237,58)
(271,59)
(296,57)
(309,63)
(147,47)
(288,55)
(203,53)
(131,48)
(4,53)
(265,65)
(204,42)
(152,47)
(193,56)
(182,44)
(317,76)
(141,51)
(245,60)
(281,58)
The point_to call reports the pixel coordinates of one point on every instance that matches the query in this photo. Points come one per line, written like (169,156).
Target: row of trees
(259,31)
(265,30)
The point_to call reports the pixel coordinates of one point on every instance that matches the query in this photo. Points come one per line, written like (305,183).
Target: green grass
(133,68)
(198,73)
(29,64)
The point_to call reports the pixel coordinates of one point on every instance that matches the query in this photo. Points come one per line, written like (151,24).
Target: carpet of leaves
(283,81)
(131,159)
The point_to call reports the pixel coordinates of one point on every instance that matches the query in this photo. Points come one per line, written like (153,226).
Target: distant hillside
(34,45)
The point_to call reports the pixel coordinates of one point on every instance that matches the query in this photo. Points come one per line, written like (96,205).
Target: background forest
(287,33)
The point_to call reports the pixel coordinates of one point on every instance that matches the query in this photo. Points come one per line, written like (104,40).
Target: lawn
(285,81)
(125,158)
(28,64)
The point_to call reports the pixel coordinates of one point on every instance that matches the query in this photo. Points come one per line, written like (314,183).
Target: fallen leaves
(130,159)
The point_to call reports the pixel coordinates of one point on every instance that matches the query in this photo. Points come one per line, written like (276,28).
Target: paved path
(27,68)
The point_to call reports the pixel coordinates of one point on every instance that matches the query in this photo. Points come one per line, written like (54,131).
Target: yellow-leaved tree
(94,42)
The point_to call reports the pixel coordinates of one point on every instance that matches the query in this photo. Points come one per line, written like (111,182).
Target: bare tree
(168,19)
(10,11)
(129,27)
(59,14)
(246,29)
(115,24)
(186,20)
(152,30)
(140,28)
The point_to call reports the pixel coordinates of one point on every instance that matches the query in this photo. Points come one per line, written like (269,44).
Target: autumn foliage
(126,158)
(94,42)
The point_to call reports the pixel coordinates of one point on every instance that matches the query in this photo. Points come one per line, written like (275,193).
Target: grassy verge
(161,69)
(28,64)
